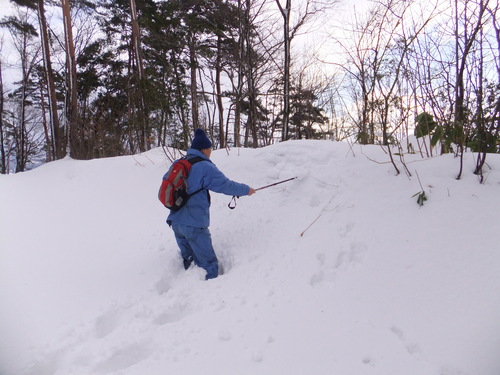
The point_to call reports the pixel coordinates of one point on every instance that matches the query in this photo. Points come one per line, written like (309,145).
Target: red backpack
(173,190)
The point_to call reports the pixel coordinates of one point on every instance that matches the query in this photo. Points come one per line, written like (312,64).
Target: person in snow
(190,223)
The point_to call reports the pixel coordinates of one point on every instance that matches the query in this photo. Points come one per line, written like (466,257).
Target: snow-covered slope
(336,272)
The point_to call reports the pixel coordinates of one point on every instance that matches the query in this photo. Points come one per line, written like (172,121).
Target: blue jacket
(204,175)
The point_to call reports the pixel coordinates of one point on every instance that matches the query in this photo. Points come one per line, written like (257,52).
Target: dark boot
(187,262)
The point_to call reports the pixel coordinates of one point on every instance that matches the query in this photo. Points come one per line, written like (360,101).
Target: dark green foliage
(421,198)
(305,115)
(18,26)
(25,3)
(425,125)
(446,134)
(488,142)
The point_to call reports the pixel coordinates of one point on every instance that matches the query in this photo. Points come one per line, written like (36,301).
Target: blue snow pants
(196,243)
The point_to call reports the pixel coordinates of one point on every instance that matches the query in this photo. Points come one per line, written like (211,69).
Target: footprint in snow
(173,269)
(344,231)
(123,358)
(106,323)
(412,348)
(351,257)
(173,314)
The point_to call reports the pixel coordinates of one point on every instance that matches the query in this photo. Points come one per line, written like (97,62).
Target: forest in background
(102,78)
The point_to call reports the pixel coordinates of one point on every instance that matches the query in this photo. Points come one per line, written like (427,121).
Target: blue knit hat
(200,140)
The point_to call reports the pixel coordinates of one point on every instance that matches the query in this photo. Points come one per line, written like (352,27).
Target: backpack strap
(193,161)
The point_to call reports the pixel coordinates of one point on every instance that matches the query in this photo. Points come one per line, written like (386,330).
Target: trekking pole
(232,203)
(276,183)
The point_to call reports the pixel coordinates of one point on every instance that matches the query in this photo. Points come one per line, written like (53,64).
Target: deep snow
(337,272)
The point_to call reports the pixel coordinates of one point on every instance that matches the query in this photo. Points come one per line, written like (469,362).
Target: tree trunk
(180,103)
(252,102)
(242,28)
(46,131)
(21,134)
(251,92)
(75,141)
(3,159)
(194,84)
(461,64)
(141,116)
(220,107)
(55,143)
(285,12)
(480,120)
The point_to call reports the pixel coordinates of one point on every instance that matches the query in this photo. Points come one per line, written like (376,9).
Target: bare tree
(495,118)
(465,39)
(72,115)
(253,67)
(23,33)
(429,68)
(56,148)
(137,104)
(286,11)
(307,9)
(3,159)
(55,144)
(363,48)
(243,26)
(487,90)
(218,86)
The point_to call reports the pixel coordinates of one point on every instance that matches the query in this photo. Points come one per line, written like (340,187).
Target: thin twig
(418,177)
